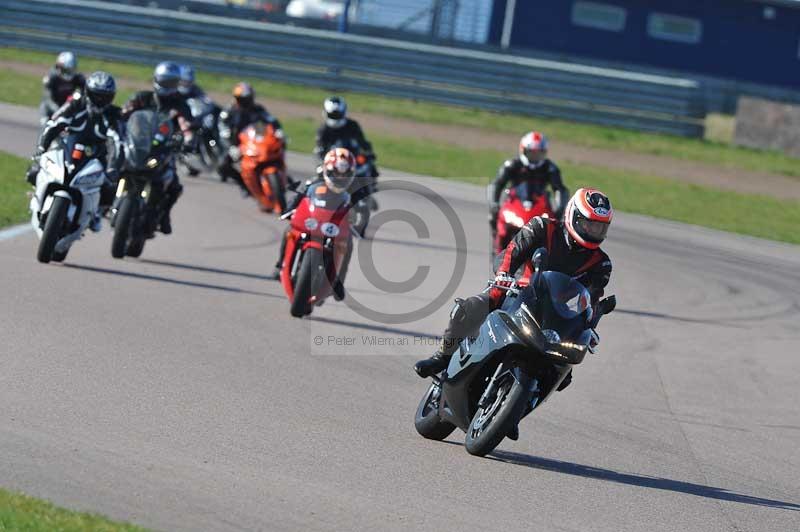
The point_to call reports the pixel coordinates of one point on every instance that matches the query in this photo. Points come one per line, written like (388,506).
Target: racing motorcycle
(317,247)
(263,166)
(149,144)
(519,357)
(520,205)
(207,151)
(67,196)
(365,170)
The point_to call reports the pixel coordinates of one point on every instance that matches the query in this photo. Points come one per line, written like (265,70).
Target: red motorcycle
(519,207)
(317,245)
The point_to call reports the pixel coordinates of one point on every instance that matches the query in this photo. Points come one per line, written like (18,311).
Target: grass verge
(13,189)
(705,151)
(19,512)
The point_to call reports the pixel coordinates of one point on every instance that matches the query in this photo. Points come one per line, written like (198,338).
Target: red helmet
(587,217)
(533,149)
(338,169)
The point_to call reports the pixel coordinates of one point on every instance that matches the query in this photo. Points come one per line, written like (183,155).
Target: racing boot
(428,367)
(338,290)
(275,275)
(174,192)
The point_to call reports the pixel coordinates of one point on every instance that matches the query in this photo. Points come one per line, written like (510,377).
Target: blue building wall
(738,40)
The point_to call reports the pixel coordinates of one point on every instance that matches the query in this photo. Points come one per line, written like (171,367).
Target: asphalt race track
(177,392)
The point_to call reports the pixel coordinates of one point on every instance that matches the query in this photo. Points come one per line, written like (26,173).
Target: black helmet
(100,91)
(335,111)
(187,79)
(244,94)
(66,65)
(166,78)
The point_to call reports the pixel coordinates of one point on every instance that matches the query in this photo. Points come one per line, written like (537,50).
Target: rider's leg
(276,273)
(465,318)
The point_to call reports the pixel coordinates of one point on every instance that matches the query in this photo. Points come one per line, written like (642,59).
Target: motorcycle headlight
(152,162)
(551,336)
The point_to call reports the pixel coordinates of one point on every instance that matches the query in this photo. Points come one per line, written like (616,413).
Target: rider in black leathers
(573,249)
(243,112)
(532,166)
(165,98)
(61,82)
(96,124)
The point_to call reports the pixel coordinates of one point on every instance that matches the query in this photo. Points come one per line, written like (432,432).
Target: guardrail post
(344,23)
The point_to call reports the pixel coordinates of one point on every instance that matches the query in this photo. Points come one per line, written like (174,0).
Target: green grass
(22,513)
(13,189)
(706,151)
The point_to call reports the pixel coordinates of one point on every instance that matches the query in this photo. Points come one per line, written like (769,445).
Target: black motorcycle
(206,152)
(516,361)
(150,143)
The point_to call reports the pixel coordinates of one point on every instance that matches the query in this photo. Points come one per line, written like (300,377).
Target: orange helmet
(587,217)
(244,94)
(338,169)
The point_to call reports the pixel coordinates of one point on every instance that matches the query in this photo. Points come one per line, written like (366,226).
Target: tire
(122,226)
(56,217)
(310,270)
(59,256)
(427,421)
(278,193)
(135,247)
(483,435)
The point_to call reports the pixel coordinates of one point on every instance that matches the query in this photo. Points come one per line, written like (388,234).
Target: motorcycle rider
(166,98)
(532,166)
(95,121)
(61,82)
(241,113)
(573,247)
(338,171)
(338,127)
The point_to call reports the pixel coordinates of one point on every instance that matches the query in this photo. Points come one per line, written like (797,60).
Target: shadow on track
(424,245)
(608,475)
(206,269)
(158,278)
(378,328)
(660,316)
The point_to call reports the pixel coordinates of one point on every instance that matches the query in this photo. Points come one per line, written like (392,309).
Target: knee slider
(459,312)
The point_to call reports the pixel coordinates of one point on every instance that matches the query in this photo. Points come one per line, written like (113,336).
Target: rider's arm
(500,182)
(597,278)
(60,120)
(532,236)
(320,144)
(560,191)
(362,141)
(135,102)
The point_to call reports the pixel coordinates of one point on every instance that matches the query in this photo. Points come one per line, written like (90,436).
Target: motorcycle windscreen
(568,298)
(145,132)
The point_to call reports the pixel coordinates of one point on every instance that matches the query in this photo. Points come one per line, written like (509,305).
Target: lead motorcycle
(150,143)
(515,362)
(67,196)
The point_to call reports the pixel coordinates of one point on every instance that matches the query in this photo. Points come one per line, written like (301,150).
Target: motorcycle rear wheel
(310,269)
(56,218)
(427,421)
(491,424)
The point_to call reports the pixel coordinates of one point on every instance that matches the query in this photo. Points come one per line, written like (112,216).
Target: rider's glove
(501,281)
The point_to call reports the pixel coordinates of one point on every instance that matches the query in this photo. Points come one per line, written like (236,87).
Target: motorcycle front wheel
(56,218)
(310,270)
(493,422)
(122,226)
(427,421)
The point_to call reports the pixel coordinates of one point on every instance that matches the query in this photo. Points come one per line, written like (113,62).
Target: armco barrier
(337,61)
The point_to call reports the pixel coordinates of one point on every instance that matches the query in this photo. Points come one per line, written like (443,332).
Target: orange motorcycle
(264,166)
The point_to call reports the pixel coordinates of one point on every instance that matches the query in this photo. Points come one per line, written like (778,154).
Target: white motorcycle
(67,198)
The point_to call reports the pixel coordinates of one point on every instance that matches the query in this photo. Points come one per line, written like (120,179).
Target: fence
(337,61)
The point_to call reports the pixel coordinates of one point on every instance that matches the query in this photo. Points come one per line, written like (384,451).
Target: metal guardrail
(337,61)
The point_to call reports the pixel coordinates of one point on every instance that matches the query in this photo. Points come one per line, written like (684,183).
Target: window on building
(599,16)
(674,28)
